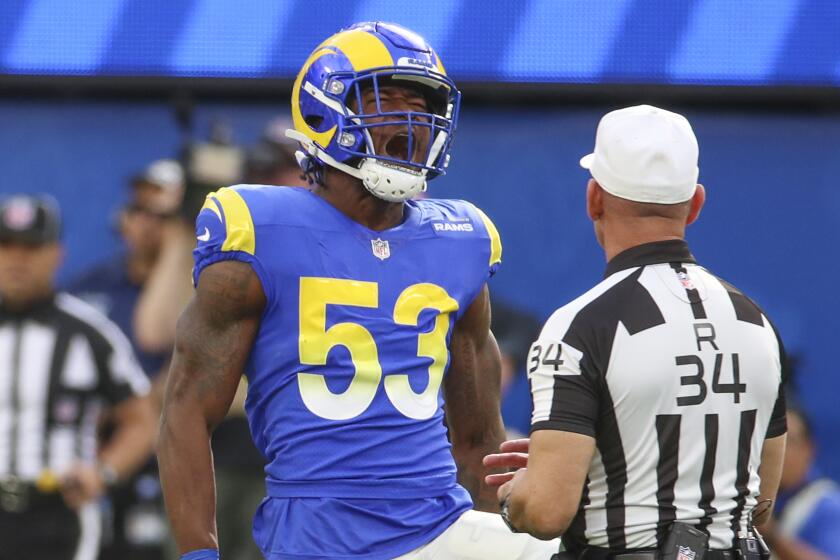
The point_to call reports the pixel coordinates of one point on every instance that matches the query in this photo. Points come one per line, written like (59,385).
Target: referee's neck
(616,242)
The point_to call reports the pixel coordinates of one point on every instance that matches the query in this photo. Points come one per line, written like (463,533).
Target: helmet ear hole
(314,121)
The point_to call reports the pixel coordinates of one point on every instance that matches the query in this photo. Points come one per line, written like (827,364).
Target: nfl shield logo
(381,250)
(685,553)
(685,280)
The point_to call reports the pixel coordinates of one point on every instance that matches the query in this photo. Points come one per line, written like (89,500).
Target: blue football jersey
(345,373)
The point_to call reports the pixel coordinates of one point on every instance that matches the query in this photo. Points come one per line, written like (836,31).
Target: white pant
(478,535)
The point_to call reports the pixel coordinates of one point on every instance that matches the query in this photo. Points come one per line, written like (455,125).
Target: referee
(61,365)
(658,393)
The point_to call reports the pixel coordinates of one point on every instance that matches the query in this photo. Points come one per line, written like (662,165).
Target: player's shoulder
(461,219)
(232,216)
(263,204)
(438,210)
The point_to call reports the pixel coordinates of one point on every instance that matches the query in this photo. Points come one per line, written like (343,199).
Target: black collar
(39,310)
(672,250)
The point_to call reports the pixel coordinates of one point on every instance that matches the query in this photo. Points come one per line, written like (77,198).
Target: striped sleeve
(225,231)
(778,418)
(120,374)
(565,364)
(565,393)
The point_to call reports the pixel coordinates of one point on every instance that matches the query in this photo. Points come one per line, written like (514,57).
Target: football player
(358,316)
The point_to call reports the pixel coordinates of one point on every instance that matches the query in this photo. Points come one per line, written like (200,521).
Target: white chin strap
(393,184)
(383,180)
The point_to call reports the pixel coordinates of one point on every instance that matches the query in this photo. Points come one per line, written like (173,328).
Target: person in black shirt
(659,411)
(62,365)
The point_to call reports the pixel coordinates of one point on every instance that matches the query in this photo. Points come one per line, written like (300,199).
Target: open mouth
(397,146)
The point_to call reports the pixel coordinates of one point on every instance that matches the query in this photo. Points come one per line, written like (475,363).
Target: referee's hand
(82,484)
(513,455)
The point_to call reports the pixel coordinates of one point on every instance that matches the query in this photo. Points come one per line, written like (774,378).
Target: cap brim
(32,238)
(138,180)
(586,161)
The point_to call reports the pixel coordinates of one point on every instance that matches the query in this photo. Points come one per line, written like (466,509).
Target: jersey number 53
(316,341)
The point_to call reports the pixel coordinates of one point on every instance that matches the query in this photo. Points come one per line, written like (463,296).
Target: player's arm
(472,394)
(213,340)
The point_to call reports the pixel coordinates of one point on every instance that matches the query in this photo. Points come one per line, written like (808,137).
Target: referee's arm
(124,387)
(544,498)
(773,450)
(127,388)
(770,472)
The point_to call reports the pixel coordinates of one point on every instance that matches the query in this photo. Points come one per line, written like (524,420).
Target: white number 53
(316,341)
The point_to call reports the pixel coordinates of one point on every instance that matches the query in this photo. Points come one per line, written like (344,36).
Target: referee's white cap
(645,154)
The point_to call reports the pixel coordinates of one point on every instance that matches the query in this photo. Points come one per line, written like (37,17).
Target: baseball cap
(165,173)
(645,154)
(29,219)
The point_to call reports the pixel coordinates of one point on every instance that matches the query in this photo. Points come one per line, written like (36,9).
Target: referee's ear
(697,202)
(594,200)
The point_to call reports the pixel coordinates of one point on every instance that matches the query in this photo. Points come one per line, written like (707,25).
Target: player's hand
(82,484)
(515,445)
(513,455)
(505,489)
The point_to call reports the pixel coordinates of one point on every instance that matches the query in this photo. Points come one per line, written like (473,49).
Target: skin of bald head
(621,224)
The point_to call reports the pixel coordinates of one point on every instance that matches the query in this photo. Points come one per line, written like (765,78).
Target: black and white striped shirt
(677,375)
(61,363)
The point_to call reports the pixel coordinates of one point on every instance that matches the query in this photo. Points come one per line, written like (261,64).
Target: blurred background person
(807,522)
(152,233)
(144,224)
(271,161)
(62,365)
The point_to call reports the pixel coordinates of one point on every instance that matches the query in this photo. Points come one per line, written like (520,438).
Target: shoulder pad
(225,222)
(493,234)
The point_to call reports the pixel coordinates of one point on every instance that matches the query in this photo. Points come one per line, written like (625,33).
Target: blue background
(720,42)
(769,227)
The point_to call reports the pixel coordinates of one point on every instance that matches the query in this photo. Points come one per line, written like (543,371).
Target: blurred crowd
(142,291)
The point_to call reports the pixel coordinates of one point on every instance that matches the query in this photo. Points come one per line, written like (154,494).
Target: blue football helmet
(330,132)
